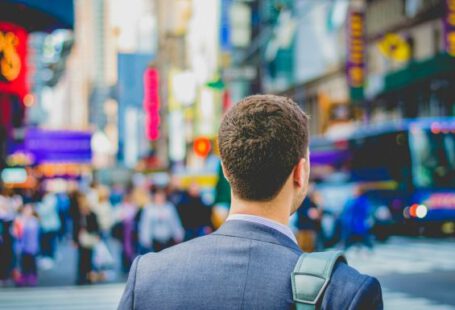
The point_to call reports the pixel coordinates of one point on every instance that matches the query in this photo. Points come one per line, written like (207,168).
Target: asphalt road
(436,286)
(414,273)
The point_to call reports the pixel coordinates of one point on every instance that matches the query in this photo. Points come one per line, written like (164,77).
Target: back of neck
(274,210)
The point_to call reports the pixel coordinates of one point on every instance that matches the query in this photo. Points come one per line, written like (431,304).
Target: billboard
(130,95)
(13,53)
(449,28)
(355,65)
(54,146)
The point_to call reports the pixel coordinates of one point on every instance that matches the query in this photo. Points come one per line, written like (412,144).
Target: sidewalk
(93,297)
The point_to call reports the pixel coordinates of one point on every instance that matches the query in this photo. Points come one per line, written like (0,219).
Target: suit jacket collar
(256,231)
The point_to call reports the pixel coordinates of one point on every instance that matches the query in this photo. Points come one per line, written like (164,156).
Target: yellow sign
(10,62)
(395,47)
(449,26)
(205,181)
(356,55)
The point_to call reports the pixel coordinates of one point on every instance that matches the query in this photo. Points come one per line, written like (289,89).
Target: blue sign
(56,146)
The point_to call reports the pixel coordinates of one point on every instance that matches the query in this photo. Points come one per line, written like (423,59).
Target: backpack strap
(311,276)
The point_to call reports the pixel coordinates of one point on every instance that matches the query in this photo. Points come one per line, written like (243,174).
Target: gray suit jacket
(242,265)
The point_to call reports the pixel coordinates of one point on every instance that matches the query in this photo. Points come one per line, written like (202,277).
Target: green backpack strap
(311,276)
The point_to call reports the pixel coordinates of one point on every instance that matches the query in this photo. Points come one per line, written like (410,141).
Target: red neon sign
(152,103)
(13,59)
(202,146)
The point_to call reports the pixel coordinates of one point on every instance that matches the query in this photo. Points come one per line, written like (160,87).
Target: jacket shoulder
(349,289)
(214,269)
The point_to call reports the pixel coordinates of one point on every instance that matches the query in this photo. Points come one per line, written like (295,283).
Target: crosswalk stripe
(399,301)
(63,298)
(417,256)
(406,256)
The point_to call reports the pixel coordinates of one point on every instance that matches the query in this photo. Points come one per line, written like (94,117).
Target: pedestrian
(7,257)
(247,263)
(103,209)
(88,235)
(63,206)
(126,213)
(175,193)
(74,213)
(50,225)
(26,230)
(31,195)
(116,194)
(357,221)
(194,213)
(160,226)
(140,197)
(92,193)
(309,222)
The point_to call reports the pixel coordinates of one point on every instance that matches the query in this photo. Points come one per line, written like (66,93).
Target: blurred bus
(406,169)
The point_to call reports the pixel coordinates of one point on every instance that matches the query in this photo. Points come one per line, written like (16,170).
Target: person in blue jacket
(247,262)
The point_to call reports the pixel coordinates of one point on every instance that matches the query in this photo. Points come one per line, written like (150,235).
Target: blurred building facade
(36,38)
(306,50)
(151,78)
(410,66)
(191,89)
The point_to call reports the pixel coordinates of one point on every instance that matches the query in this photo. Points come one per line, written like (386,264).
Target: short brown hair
(260,140)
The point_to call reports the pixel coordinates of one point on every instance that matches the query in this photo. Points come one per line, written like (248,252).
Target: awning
(38,15)
(416,72)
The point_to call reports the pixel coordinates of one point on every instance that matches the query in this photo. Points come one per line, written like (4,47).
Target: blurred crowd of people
(30,224)
(142,218)
(318,228)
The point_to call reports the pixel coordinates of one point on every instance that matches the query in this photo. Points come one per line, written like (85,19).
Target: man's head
(263,142)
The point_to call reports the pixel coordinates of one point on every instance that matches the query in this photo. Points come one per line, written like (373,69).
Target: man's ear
(299,174)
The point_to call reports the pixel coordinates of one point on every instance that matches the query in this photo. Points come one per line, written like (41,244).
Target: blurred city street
(110,113)
(416,274)
(63,272)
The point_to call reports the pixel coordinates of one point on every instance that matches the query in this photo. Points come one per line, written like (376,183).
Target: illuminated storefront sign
(13,51)
(62,170)
(10,65)
(449,28)
(355,65)
(202,146)
(440,201)
(52,146)
(152,103)
(395,47)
